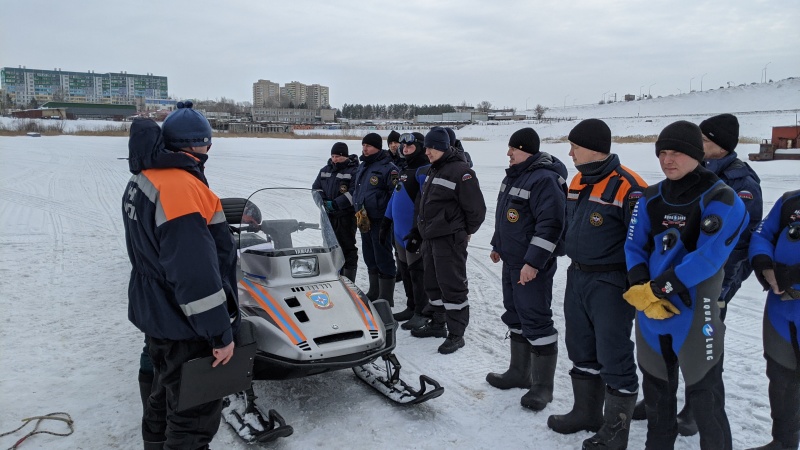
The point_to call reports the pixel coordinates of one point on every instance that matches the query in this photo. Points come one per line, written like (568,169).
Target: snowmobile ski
(386,380)
(241,413)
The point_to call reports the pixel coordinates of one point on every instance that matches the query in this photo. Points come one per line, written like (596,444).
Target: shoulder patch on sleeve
(745,195)
(467,176)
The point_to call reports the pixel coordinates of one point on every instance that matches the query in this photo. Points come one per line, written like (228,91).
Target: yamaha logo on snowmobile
(321,299)
(512,215)
(674,219)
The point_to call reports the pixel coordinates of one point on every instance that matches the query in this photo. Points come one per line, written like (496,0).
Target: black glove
(386,230)
(413,241)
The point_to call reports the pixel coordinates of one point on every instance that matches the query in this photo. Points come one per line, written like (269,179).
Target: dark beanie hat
(723,130)
(593,134)
(526,140)
(186,127)
(437,139)
(681,136)
(340,148)
(451,134)
(394,136)
(373,139)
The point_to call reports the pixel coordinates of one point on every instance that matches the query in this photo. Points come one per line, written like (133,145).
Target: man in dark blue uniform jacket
(335,183)
(775,256)
(681,233)
(182,292)
(598,320)
(375,180)
(529,235)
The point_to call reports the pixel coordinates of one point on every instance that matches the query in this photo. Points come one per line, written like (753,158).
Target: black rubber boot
(350,274)
(518,374)
(784,403)
(145,387)
(436,327)
(372,293)
(587,408)
(543,369)
(451,344)
(686,423)
(403,315)
(616,423)
(639,413)
(416,321)
(386,289)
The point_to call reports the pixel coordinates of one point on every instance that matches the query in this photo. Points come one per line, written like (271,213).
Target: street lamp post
(690,83)
(765,71)
(648,90)
(701,81)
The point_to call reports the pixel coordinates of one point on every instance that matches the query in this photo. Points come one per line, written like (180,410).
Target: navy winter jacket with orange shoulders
(183,257)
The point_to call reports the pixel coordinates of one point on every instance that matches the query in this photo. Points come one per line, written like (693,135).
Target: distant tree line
(395,111)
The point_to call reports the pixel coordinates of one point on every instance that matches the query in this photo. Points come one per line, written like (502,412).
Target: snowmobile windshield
(285,222)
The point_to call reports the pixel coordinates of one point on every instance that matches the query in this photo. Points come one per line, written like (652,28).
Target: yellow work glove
(661,309)
(640,296)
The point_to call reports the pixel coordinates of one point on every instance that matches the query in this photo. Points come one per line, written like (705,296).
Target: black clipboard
(201,383)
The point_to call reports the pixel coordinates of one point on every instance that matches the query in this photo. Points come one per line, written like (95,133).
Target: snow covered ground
(68,346)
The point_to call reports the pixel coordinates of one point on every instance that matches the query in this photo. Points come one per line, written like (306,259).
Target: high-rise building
(266,93)
(296,91)
(318,96)
(23,85)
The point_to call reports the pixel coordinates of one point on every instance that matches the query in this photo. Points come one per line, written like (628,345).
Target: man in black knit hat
(393,142)
(451,208)
(681,233)
(335,184)
(529,235)
(598,320)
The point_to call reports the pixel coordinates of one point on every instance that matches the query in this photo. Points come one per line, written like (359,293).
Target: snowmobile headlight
(304,266)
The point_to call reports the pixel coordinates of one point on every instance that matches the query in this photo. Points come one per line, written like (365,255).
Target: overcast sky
(510,53)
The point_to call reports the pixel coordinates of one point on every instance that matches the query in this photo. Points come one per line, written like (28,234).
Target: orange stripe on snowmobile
(366,313)
(278,315)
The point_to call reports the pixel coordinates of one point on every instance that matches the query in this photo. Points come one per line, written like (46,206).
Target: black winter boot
(451,344)
(784,403)
(436,327)
(416,321)
(403,315)
(372,293)
(616,422)
(518,374)
(639,413)
(543,369)
(587,409)
(686,423)
(386,289)
(145,387)
(350,274)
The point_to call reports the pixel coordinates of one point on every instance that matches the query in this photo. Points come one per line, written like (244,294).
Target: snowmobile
(307,319)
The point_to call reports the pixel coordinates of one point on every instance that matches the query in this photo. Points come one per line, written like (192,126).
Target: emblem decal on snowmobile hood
(321,299)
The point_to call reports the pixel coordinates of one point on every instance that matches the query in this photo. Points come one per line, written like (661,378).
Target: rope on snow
(39,419)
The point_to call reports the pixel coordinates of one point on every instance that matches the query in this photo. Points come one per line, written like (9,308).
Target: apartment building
(318,97)
(266,93)
(24,85)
